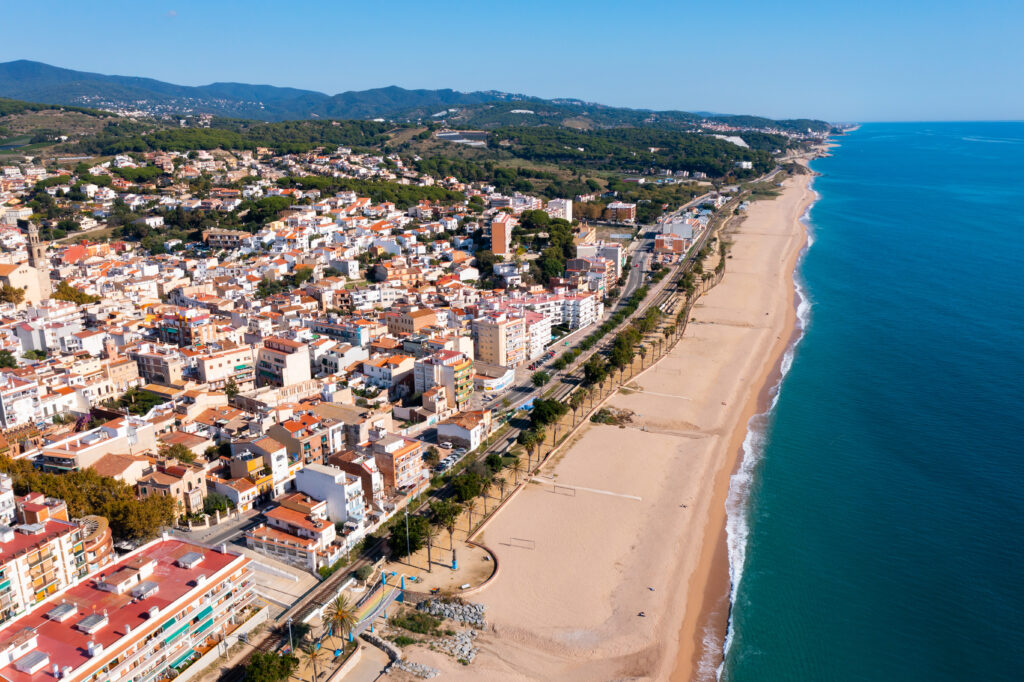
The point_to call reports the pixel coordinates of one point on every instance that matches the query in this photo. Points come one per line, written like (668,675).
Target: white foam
(737,526)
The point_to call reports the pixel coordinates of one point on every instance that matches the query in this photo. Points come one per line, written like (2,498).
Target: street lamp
(291,646)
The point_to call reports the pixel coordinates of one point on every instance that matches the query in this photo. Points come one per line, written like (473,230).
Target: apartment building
(501,234)
(82,450)
(253,467)
(188,327)
(139,619)
(39,558)
(399,459)
(233,364)
(309,437)
(671,244)
(620,212)
(388,372)
(282,362)
(500,339)
(598,273)
(185,483)
(538,330)
(19,401)
(159,365)
(47,552)
(360,423)
(581,310)
(411,322)
(297,531)
(6,500)
(218,238)
(275,458)
(448,368)
(342,491)
(559,208)
(609,250)
(364,467)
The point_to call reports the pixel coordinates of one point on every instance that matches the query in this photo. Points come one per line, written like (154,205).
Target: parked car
(460,451)
(446,445)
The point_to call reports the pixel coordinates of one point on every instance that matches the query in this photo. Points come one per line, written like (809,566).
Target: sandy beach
(636,521)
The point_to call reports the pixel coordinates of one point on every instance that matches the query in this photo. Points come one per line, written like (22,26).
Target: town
(266,374)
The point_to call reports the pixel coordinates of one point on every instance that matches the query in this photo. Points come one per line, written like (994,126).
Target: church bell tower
(37,259)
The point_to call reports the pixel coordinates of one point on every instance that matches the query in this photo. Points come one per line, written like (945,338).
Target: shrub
(417,621)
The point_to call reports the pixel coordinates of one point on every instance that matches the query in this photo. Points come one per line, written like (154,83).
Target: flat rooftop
(23,543)
(66,645)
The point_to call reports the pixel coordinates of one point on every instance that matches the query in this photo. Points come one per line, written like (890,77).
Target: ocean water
(877,522)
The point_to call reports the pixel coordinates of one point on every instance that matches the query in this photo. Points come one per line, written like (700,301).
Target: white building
(610,250)
(19,401)
(342,492)
(559,208)
(6,500)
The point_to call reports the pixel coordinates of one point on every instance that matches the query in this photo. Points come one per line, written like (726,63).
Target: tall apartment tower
(37,259)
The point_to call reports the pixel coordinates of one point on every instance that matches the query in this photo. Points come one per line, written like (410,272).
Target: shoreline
(698,658)
(629,601)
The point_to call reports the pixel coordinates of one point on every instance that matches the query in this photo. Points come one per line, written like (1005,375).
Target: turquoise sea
(877,524)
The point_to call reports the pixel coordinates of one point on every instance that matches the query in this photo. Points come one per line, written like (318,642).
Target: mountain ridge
(39,82)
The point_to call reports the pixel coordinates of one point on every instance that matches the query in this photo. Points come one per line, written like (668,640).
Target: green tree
(66,292)
(7,359)
(231,388)
(270,667)
(540,378)
(445,513)
(402,544)
(467,485)
(595,370)
(546,412)
(215,502)
(179,452)
(531,440)
(9,294)
(494,462)
(340,616)
(315,654)
(86,492)
(576,402)
(485,260)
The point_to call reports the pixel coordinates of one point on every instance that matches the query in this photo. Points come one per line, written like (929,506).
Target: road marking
(589,490)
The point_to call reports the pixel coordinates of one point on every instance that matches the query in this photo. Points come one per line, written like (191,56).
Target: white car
(446,445)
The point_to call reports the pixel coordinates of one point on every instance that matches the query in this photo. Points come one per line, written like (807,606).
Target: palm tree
(484,489)
(340,615)
(446,514)
(517,468)
(314,654)
(432,532)
(533,442)
(576,402)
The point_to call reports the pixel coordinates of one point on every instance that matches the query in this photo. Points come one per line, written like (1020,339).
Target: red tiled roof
(68,646)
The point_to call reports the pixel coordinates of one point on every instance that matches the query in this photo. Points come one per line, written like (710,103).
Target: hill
(38,82)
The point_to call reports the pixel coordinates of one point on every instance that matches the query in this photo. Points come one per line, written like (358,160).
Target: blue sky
(842,61)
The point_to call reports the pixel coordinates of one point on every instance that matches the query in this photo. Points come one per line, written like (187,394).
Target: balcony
(39,560)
